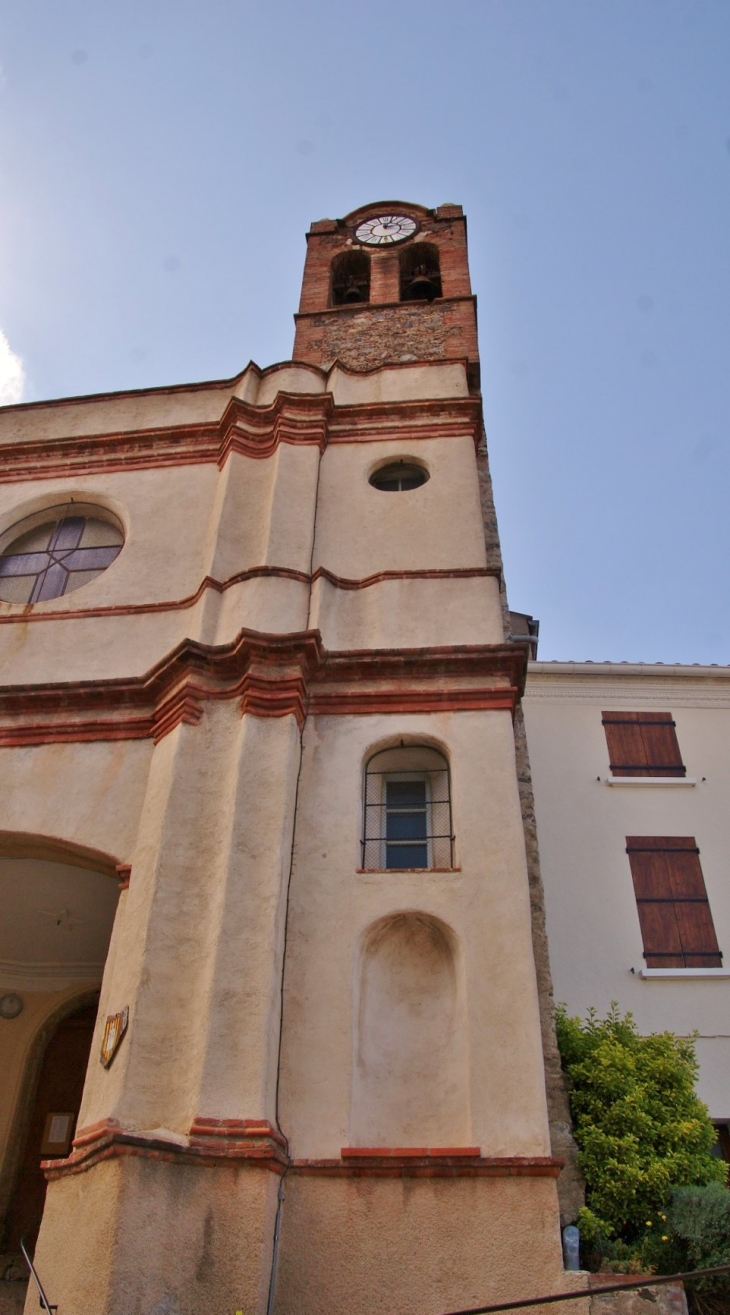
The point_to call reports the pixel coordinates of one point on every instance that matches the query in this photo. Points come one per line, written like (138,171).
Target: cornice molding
(255,1143)
(273,676)
(707,691)
(301,419)
(23,614)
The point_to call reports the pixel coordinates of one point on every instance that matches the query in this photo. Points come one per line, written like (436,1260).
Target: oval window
(56,551)
(399,476)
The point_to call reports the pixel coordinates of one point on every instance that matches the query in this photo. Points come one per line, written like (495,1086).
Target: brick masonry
(367,335)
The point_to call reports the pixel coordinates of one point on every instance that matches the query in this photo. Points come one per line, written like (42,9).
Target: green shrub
(641,1131)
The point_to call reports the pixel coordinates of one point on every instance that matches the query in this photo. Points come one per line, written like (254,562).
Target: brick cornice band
(23,617)
(302,419)
(273,676)
(255,1143)
(211,1143)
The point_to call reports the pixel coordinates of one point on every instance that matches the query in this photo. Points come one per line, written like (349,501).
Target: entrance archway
(58,1092)
(58,911)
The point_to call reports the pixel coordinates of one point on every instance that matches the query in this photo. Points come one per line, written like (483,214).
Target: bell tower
(293,734)
(388,285)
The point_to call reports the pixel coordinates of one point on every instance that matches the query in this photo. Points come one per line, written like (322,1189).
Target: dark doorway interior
(59,1088)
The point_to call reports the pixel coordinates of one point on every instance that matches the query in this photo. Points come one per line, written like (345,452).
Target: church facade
(264,787)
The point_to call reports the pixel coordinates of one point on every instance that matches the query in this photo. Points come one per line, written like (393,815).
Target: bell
(421,287)
(352,294)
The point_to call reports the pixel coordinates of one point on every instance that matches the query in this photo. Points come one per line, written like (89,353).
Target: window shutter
(674,913)
(642,744)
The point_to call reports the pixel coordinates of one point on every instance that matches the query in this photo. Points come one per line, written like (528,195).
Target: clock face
(384,230)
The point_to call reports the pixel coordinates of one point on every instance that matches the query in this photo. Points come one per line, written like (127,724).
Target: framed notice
(57,1134)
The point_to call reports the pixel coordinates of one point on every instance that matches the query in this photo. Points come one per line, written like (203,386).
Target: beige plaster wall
(88,794)
(484,903)
(137,1237)
(419,1247)
(186,523)
(361,530)
(196,947)
(592,920)
(408,613)
(205,403)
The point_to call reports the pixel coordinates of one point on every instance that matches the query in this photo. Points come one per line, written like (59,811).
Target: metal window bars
(407,819)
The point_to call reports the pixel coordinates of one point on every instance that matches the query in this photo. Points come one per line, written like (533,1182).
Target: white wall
(592,920)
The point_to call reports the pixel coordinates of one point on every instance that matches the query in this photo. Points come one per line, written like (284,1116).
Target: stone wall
(364,337)
(666,1299)
(571,1188)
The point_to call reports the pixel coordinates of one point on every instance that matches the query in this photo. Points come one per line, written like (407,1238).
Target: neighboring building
(631,773)
(256,671)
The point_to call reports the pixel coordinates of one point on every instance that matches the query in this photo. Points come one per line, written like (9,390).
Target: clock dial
(384,230)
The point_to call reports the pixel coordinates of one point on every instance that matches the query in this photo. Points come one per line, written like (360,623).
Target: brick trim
(255,1143)
(302,419)
(274,676)
(124,872)
(447,1163)
(211,1144)
(368,702)
(23,615)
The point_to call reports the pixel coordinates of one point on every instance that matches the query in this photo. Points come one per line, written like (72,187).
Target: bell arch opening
(420,272)
(350,278)
(410,1073)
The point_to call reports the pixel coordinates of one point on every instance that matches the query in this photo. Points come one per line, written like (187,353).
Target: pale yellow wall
(592,920)
(400,613)
(88,794)
(205,403)
(484,904)
(419,1247)
(218,816)
(185,523)
(361,529)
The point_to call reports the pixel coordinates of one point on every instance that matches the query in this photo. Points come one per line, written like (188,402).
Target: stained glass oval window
(56,551)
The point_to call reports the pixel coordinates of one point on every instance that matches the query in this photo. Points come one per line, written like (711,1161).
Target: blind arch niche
(410,1073)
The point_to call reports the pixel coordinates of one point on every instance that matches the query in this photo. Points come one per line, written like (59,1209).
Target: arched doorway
(58,1094)
(58,911)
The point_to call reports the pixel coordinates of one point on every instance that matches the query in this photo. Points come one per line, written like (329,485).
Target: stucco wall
(484,903)
(592,920)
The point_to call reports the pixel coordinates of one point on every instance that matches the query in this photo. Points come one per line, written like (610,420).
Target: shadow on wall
(410,1085)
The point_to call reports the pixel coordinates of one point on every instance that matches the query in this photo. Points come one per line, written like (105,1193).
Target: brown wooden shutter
(674,913)
(642,744)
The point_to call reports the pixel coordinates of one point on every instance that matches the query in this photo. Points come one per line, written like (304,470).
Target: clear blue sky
(161,161)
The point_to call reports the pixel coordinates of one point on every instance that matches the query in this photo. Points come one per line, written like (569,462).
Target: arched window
(407,810)
(420,273)
(350,278)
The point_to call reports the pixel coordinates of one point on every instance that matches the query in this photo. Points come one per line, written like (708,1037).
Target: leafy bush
(695,1234)
(641,1131)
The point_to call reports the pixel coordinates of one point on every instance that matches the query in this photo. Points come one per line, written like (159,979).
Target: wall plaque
(114,1029)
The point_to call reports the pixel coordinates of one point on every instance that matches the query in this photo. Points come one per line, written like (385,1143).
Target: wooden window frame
(643,744)
(674,912)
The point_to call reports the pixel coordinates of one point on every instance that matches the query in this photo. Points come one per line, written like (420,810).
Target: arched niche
(350,278)
(420,272)
(410,1079)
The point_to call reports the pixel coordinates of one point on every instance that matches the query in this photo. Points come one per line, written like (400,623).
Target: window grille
(407,811)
